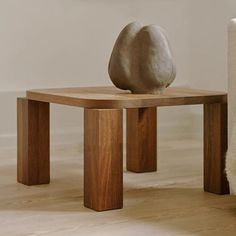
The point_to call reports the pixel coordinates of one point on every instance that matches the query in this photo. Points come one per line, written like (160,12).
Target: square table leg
(32,142)
(141,135)
(103,164)
(215,147)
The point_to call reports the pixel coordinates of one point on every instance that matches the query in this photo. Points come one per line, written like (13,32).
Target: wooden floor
(169,202)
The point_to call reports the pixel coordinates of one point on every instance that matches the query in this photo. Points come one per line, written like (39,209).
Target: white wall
(208,42)
(57,43)
(68,42)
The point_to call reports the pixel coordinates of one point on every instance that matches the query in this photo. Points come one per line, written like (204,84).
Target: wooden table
(103,144)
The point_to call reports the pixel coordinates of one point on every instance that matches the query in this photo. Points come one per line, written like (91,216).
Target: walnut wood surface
(141,139)
(103,165)
(215,147)
(33,142)
(111,97)
(103,178)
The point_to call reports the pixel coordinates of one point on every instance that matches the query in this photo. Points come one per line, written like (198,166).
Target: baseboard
(57,138)
(7,141)
(67,137)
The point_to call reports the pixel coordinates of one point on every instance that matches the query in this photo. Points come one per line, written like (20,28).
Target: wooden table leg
(215,147)
(32,142)
(103,164)
(141,135)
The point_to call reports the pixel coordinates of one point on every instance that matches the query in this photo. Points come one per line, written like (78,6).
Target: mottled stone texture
(141,60)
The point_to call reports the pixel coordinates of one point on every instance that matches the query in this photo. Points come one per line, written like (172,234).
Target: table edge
(122,104)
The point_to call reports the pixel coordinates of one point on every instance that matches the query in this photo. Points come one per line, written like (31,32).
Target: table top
(112,97)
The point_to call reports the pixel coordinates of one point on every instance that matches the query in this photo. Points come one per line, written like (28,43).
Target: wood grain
(32,142)
(141,137)
(103,165)
(111,97)
(215,147)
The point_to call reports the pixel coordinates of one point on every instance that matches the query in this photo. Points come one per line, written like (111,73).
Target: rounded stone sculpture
(141,60)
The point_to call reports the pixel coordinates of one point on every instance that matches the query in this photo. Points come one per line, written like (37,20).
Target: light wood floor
(169,202)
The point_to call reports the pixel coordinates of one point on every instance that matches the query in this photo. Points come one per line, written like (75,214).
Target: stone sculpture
(141,60)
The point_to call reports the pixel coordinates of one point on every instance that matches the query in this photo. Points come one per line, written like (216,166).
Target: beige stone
(141,60)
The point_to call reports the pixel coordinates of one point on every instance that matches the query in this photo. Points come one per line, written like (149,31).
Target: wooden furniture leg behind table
(141,138)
